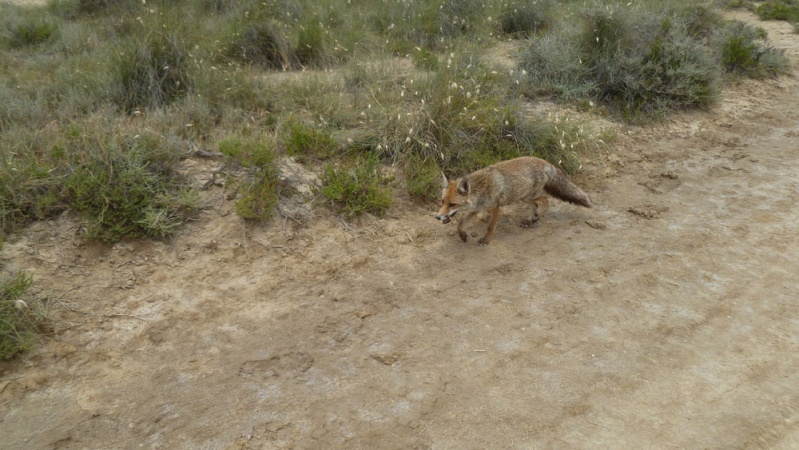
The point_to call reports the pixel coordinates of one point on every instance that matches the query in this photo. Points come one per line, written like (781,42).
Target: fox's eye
(453,205)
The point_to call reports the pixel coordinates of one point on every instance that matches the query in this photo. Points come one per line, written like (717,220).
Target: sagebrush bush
(356,187)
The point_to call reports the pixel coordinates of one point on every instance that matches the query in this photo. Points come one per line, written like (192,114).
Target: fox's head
(454,198)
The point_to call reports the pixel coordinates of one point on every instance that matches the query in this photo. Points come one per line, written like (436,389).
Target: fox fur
(526,179)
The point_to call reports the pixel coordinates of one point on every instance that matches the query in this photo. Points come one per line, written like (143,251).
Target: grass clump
(262,44)
(21,315)
(152,71)
(259,191)
(357,187)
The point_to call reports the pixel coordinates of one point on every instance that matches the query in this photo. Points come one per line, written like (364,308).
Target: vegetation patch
(642,62)
(787,10)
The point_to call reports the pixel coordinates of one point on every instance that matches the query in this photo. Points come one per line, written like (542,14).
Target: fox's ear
(444,181)
(463,187)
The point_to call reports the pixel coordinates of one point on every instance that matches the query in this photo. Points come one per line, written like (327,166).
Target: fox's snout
(445,219)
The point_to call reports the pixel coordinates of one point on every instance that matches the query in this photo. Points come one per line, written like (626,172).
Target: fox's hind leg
(462,223)
(538,205)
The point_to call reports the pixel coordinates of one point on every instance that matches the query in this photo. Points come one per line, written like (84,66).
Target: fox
(524,179)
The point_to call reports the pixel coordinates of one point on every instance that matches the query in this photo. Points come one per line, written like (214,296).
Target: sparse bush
(20,315)
(357,187)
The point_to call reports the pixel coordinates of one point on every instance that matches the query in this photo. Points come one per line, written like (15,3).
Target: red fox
(524,179)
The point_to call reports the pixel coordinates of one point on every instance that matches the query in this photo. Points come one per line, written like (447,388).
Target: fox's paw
(483,241)
(529,223)
(463,235)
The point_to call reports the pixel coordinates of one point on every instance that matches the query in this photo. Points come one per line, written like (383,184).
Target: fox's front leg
(462,223)
(492,225)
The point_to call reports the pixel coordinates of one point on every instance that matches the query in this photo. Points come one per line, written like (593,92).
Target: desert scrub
(259,188)
(357,186)
(21,315)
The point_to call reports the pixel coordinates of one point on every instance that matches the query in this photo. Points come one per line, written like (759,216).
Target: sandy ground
(666,318)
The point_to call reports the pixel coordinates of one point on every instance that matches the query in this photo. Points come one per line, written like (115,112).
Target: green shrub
(357,187)
(248,151)
(20,315)
(303,141)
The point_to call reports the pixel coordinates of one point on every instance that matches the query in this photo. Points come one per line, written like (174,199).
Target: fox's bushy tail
(560,187)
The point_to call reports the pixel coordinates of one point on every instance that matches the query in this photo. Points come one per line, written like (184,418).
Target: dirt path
(671,321)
